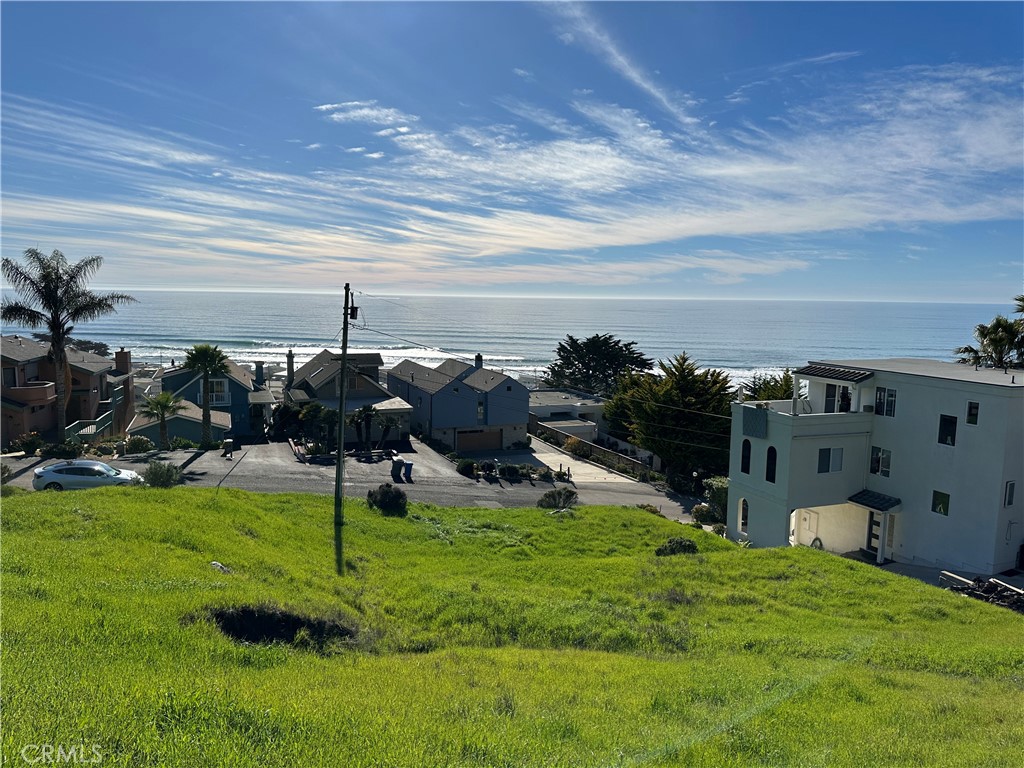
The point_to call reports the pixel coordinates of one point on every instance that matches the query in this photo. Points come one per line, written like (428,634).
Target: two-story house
(100,393)
(469,407)
(242,395)
(916,461)
(320,380)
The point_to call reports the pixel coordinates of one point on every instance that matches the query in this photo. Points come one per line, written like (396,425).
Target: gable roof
(453,368)
(87,361)
(192,412)
(22,350)
(237,373)
(485,379)
(429,380)
(324,366)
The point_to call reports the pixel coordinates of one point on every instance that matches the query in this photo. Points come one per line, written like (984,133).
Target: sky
(859,151)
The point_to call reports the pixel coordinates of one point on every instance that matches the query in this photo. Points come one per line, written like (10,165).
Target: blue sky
(732,150)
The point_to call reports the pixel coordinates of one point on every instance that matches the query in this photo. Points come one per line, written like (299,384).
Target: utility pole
(339,468)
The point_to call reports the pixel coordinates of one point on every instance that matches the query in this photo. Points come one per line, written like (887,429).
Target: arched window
(769,467)
(745,458)
(744,515)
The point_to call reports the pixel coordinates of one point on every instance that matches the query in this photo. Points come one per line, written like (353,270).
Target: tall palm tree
(208,360)
(162,407)
(54,296)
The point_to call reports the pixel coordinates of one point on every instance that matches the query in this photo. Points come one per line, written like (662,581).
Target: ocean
(519,335)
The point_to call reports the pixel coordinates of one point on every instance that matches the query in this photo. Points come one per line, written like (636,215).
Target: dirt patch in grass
(266,624)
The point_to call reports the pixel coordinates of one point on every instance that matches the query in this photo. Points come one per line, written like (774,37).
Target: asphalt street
(272,468)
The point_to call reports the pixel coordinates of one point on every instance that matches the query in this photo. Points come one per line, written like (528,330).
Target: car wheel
(53,487)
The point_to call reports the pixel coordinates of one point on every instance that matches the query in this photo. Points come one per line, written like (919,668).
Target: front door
(874,532)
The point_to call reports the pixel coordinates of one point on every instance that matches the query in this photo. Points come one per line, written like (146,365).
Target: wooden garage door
(478,440)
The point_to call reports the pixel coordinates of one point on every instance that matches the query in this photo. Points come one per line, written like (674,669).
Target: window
(947,430)
(479,409)
(744,515)
(881,460)
(885,401)
(455,389)
(972,412)
(745,458)
(1008,493)
(508,388)
(830,460)
(940,503)
(769,467)
(10,377)
(218,392)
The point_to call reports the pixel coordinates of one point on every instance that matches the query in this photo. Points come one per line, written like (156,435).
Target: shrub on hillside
(30,442)
(453,456)
(466,467)
(5,474)
(578,448)
(69,449)
(716,490)
(649,508)
(719,529)
(545,474)
(677,545)
(183,444)
(558,498)
(161,474)
(697,525)
(139,444)
(391,501)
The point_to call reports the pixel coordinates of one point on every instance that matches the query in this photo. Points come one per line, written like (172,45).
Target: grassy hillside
(478,638)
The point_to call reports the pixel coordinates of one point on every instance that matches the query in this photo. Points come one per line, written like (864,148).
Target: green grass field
(481,638)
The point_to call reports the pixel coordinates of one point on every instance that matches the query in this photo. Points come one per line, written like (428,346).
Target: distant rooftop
(556,397)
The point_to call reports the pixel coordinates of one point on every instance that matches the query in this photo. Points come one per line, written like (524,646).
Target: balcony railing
(88,429)
(33,392)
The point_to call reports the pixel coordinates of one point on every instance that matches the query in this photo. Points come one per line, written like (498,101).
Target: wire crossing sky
(698,150)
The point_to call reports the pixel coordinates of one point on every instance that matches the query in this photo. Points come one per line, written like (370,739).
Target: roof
(262,397)
(833,372)
(324,365)
(191,412)
(240,374)
(485,379)
(428,379)
(87,361)
(875,500)
(562,397)
(935,369)
(22,350)
(453,368)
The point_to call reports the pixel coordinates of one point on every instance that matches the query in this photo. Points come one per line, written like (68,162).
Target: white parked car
(79,473)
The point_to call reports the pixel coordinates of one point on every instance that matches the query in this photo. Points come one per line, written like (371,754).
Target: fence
(600,454)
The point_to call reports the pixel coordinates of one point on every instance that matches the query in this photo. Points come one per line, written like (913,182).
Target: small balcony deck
(33,393)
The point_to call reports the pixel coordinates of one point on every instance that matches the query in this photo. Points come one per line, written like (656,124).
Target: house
(469,407)
(240,393)
(188,424)
(100,392)
(319,380)
(910,460)
(568,410)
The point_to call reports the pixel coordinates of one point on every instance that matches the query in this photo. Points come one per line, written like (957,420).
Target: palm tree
(998,343)
(387,423)
(162,407)
(210,361)
(54,296)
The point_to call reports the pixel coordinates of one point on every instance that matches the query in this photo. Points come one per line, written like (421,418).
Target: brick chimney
(260,379)
(478,362)
(291,369)
(123,361)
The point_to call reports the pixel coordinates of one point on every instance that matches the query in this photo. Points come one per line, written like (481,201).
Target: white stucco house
(915,461)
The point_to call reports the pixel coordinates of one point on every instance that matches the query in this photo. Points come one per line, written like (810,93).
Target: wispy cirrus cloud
(365,112)
(586,30)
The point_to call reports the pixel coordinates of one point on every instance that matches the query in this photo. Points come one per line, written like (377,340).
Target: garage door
(478,440)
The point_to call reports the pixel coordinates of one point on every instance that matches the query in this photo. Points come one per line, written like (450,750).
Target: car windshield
(111,471)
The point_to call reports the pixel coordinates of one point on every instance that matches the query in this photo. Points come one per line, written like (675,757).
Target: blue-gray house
(469,407)
(240,394)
